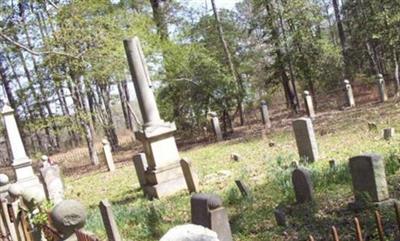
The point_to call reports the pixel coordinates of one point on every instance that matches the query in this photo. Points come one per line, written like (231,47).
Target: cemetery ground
(265,166)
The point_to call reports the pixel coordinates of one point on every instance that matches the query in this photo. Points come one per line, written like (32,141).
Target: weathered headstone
(280,217)
(308,102)
(265,114)
(108,155)
(368,177)
(68,216)
(305,139)
(388,133)
(192,181)
(140,163)
(190,232)
(349,94)
(243,188)
(382,88)
(109,221)
(21,163)
(332,164)
(302,184)
(207,211)
(216,127)
(164,175)
(53,183)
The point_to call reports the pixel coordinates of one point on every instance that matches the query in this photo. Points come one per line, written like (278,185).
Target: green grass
(267,171)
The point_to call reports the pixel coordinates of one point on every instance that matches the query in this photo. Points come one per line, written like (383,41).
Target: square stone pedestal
(25,175)
(164,175)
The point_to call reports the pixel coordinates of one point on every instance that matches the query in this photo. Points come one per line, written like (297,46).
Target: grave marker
(368,176)
(308,102)
(207,211)
(191,178)
(140,163)
(243,188)
(382,88)
(53,183)
(109,221)
(265,114)
(388,133)
(349,94)
(108,155)
(164,175)
(216,127)
(305,139)
(303,187)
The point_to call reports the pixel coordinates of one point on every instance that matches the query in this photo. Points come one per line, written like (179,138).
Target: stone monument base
(25,176)
(164,181)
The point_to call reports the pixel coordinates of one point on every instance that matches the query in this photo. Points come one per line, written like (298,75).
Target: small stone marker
(349,94)
(109,221)
(108,155)
(190,232)
(308,102)
(216,127)
(382,88)
(305,139)
(280,217)
(53,183)
(368,176)
(265,114)
(207,211)
(140,163)
(243,188)
(192,181)
(332,164)
(303,187)
(388,133)
(235,157)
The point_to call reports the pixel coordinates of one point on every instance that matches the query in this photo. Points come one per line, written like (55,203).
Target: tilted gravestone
(109,221)
(349,94)
(192,181)
(388,133)
(305,139)
(216,126)
(53,183)
(243,188)
(140,163)
(308,102)
(382,88)
(164,175)
(265,114)
(108,155)
(302,184)
(368,177)
(207,211)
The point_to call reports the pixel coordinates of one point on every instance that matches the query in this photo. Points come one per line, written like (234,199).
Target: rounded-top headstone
(380,76)
(15,190)
(213,200)
(44,158)
(4,180)
(67,216)
(190,232)
(105,141)
(346,81)
(213,114)
(306,92)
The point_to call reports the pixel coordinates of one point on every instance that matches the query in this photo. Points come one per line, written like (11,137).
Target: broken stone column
(368,178)
(164,175)
(207,211)
(349,94)
(265,114)
(305,139)
(108,155)
(21,163)
(216,127)
(382,88)
(308,102)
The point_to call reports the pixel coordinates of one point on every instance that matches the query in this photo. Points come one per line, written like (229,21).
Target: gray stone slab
(305,139)
(109,221)
(265,114)
(140,163)
(350,102)
(308,102)
(302,184)
(382,88)
(191,178)
(388,133)
(53,183)
(369,178)
(217,129)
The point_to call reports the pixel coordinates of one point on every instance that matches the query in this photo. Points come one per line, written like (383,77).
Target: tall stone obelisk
(164,175)
(21,163)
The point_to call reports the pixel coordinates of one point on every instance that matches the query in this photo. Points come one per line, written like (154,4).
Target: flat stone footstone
(368,178)
(190,232)
(303,187)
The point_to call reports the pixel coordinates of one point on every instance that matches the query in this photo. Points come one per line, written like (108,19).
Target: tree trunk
(230,63)
(159,14)
(124,107)
(342,38)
